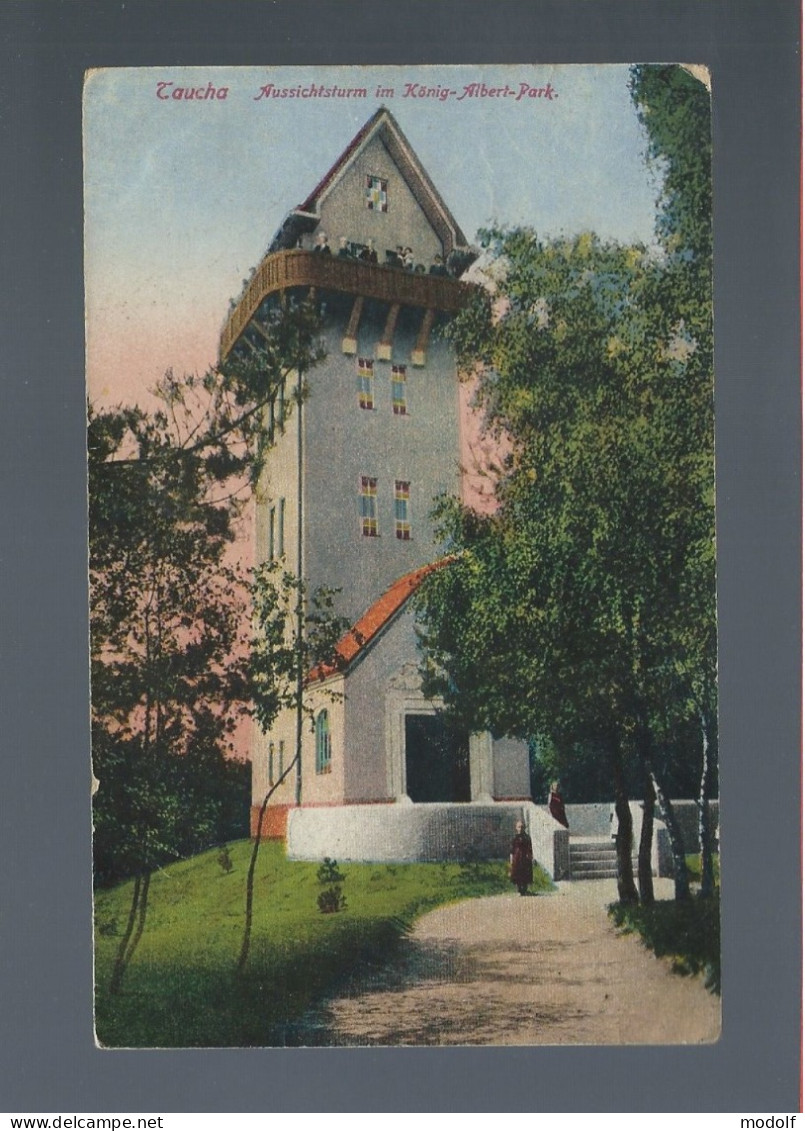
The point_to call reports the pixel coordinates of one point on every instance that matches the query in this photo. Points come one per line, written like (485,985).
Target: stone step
(584,850)
(594,858)
(594,866)
(581,856)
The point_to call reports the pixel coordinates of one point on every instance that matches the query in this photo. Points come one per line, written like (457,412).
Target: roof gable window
(376,194)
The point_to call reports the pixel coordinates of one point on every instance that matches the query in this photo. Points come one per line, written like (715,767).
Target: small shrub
(331,898)
(472,865)
(328,872)
(108,928)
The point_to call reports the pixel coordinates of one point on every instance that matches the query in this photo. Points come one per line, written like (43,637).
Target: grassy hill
(181,989)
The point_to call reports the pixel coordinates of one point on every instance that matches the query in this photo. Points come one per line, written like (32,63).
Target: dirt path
(506,970)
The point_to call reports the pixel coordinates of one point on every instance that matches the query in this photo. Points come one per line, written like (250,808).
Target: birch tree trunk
(681,882)
(645,878)
(627,892)
(246,942)
(703,806)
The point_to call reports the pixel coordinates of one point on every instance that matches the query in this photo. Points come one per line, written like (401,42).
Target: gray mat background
(48,1062)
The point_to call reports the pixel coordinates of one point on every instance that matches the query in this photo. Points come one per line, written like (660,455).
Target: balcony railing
(285,269)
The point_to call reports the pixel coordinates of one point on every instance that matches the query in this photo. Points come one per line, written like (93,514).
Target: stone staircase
(593,858)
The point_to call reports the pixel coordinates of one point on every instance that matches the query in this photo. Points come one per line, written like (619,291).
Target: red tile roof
(357,639)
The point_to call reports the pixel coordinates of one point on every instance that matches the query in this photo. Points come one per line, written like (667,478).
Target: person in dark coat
(557,805)
(521,859)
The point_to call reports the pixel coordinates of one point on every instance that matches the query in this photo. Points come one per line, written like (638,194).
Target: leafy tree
(593,586)
(166,622)
(674,109)
(169,654)
(578,589)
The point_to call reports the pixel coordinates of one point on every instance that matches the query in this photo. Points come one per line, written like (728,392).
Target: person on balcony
(322,246)
(408,259)
(343,248)
(437,267)
(368,254)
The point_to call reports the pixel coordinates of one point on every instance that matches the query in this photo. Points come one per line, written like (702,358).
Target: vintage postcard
(402,555)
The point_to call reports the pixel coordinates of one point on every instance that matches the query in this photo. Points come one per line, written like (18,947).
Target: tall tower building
(359,465)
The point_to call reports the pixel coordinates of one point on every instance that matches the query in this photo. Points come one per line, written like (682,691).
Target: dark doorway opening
(437,759)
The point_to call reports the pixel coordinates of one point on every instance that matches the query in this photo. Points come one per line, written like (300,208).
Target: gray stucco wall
(344,442)
(688,819)
(367,774)
(344,211)
(589,820)
(511,772)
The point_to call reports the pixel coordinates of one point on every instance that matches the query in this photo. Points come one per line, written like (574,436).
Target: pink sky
(182,198)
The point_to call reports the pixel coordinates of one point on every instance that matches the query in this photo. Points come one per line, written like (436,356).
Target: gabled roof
(352,646)
(384,125)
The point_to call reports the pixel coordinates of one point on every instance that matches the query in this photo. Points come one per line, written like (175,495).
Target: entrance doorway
(437,760)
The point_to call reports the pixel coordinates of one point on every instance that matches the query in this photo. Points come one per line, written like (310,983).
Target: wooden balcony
(284,270)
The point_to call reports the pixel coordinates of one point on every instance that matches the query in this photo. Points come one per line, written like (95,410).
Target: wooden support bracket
(419,353)
(386,343)
(349,343)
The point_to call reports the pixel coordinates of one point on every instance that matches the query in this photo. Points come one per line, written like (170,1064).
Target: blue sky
(182,196)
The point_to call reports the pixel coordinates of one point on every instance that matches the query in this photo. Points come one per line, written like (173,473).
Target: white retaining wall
(594,820)
(550,840)
(403,833)
(407,833)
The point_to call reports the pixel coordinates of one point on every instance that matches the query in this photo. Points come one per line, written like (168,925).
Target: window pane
(398,390)
(402,516)
(376,194)
(323,747)
(368,506)
(366,368)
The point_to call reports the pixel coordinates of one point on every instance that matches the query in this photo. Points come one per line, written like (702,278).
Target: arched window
(323,747)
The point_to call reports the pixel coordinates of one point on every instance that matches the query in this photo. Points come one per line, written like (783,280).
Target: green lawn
(181,988)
